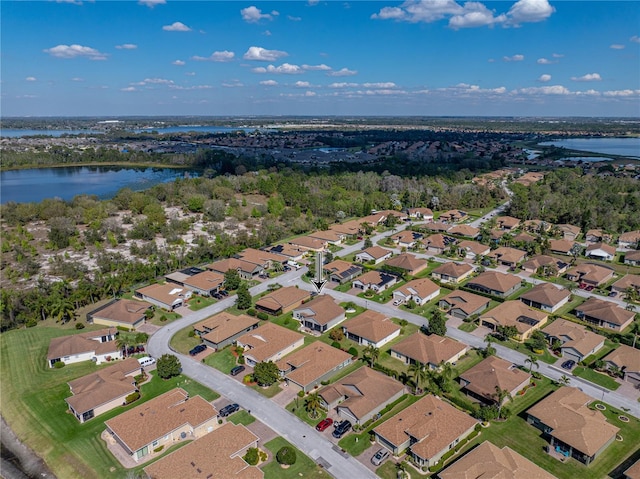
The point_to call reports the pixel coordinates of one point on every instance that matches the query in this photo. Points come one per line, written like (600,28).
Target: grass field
(241,417)
(222,360)
(182,342)
(34,407)
(596,378)
(304,467)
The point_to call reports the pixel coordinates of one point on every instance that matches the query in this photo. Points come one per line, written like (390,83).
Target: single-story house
(547,297)
(570,426)
(309,243)
(601,251)
(569,232)
(464,230)
(590,274)
(320,314)
(627,281)
(630,239)
(437,243)
(508,256)
(421,291)
(495,283)
(561,246)
(340,271)
(309,366)
(430,351)
(542,264)
(162,421)
(269,342)
(98,346)
(424,214)
(218,455)
(375,280)
(507,222)
(491,462)
(127,313)
(472,249)
(437,227)
(604,314)
(330,236)
(282,300)
(597,236)
(627,360)
(245,269)
(632,258)
(224,328)
(374,253)
(103,390)
(264,259)
(633,472)
(480,381)
(361,395)
(349,228)
(462,304)
(291,252)
(407,262)
(523,238)
(452,272)
(452,216)
(536,226)
(178,277)
(406,238)
(205,283)
(371,328)
(514,313)
(428,428)
(577,341)
(168,296)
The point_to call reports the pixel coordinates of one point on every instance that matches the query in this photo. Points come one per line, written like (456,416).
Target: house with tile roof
(570,426)
(224,328)
(488,461)
(294,253)
(98,346)
(590,274)
(601,251)
(597,236)
(495,283)
(507,222)
(306,368)
(507,256)
(165,420)
(370,328)
(340,271)
(543,263)
(577,341)
(407,262)
(467,231)
(452,272)
(245,269)
(462,304)
(629,239)
(627,360)
(330,236)
(546,296)
(452,216)
(472,249)
(427,429)
(430,351)
(127,313)
(264,259)
(437,243)
(268,342)
(349,228)
(523,238)
(437,227)
(320,314)
(514,313)
(421,291)
(633,472)
(205,283)
(421,214)
(218,455)
(627,281)
(103,390)
(569,232)
(375,280)
(361,395)
(310,244)
(561,246)
(282,300)
(632,258)
(167,296)
(374,253)
(604,314)
(482,381)
(406,238)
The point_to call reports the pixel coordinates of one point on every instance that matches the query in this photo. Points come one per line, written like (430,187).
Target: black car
(237,370)
(224,292)
(229,409)
(568,364)
(341,429)
(198,349)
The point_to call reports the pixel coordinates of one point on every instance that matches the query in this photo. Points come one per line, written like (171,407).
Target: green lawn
(182,342)
(468,327)
(304,467)
(523,348)
(198,302)
(162,318)
(286,321)
(268,391)
(222,360)
(241,417)
(33,405)
(597,378)
(297,407)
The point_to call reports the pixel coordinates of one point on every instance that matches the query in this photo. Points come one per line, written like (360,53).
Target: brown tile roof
(81,343)
(225,265)
(634,471)
(127,311)
(566,228)
(605,311)
(340,267)
(632,255)
(99,388)
(496,281)
(159,416)
(406,236)
(224,325)
(408,262)
(630,237)
(464,230)
(260,257)
(561,245)
(490,462)
(452,269)
(166,293)
(350,228)
(523,237)
(323,309)
(205,281)
(437,226)
(507,221)
(435,241)
(628,280)
(422,211)
(376,252)
(371,325)
(431,349)
(467,302)
(574,336)
(591,272)
(546,294)
(375,277)
(268,340)
(288,250)
(507,254)
(566,412)
(625,357)
(213,456)
(283,298)
(308,242)
(423,287)
(365,390)
(603,246)
(512,313)
(474,247)
(491,372)
(433,422)
(312,362)
(539,260)
(327,235)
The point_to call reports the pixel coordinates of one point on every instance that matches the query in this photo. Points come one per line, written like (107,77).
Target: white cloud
(269,82)
(616,46)
(310,93)
(151,3)
(77,79)
(302,84)
(545,90)
(31,79)
(176,27)
(526,11)
(72,2)
(294,19)
(223,56)
(285,68)
(233,84)
(267,33)
(622,93)
(129,88)
(179,63)
(344,72)
(75,51)
(588,77)
(253,14)
(127,46)
(635,39)
(557,55)
(514,58)
(544,78)
(475,15)
(343,85)
(380,85)
(193,87)
(544,61)
(322,66)
(263,55)
(313,3)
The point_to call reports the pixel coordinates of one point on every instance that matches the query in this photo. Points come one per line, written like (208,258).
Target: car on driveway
(325,423)
(568,364)
(198,349)
(237,370)
(229,409)
(379,456)
(341,429)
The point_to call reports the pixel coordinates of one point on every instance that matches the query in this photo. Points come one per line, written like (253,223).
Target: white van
(146,361)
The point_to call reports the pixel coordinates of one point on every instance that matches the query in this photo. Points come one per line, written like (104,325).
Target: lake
(612,146)
(34,185)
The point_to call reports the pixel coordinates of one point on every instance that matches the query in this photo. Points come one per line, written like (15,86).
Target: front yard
(304,467)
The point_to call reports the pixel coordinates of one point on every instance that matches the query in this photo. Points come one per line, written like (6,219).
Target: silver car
(379,457)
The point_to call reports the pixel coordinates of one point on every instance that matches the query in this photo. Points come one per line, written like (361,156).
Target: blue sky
(429,57)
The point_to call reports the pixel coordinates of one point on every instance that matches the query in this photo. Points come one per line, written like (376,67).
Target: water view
(611,146)
(36,184)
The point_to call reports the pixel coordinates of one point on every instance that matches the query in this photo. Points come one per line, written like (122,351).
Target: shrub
(79,325)
(31,322)
(262,316)
(252,456)
(132,397)
(58,365)
(191,334)
(252,312)
(159,448)
(241,359)
(163,318)
(353,351)
(263,455)
(300,394)
(335,344)
(336,334)
(286,455)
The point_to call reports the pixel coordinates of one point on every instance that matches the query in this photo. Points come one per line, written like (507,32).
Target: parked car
(237,370)
(341,429)
(613,294)
(397,302)
(224,292)
(379,457)
(568,364)
(146,361)
(325,423)
(198,349)
(229,409)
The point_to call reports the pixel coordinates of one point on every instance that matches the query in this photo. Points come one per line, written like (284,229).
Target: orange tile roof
(268,340)
(123,310)
(465,301)
(408,262)
(207,280)
(496,281)
(454,270)
(371,325)
(312,362)
(224,325)
(510,313)
(423,287)
(494,372)
(283,298)
(574,336)
(625,357)
(431,349)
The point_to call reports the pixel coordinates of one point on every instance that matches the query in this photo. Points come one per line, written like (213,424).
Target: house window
(154,443)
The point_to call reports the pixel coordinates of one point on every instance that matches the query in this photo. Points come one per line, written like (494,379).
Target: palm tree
(372,354)
(500,396)
(419,373)
(312,404)
(533,361)
(123,342)
(564,380)
(62,309)
(404,378)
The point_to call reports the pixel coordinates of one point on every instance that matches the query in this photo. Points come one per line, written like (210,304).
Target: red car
(325,423)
